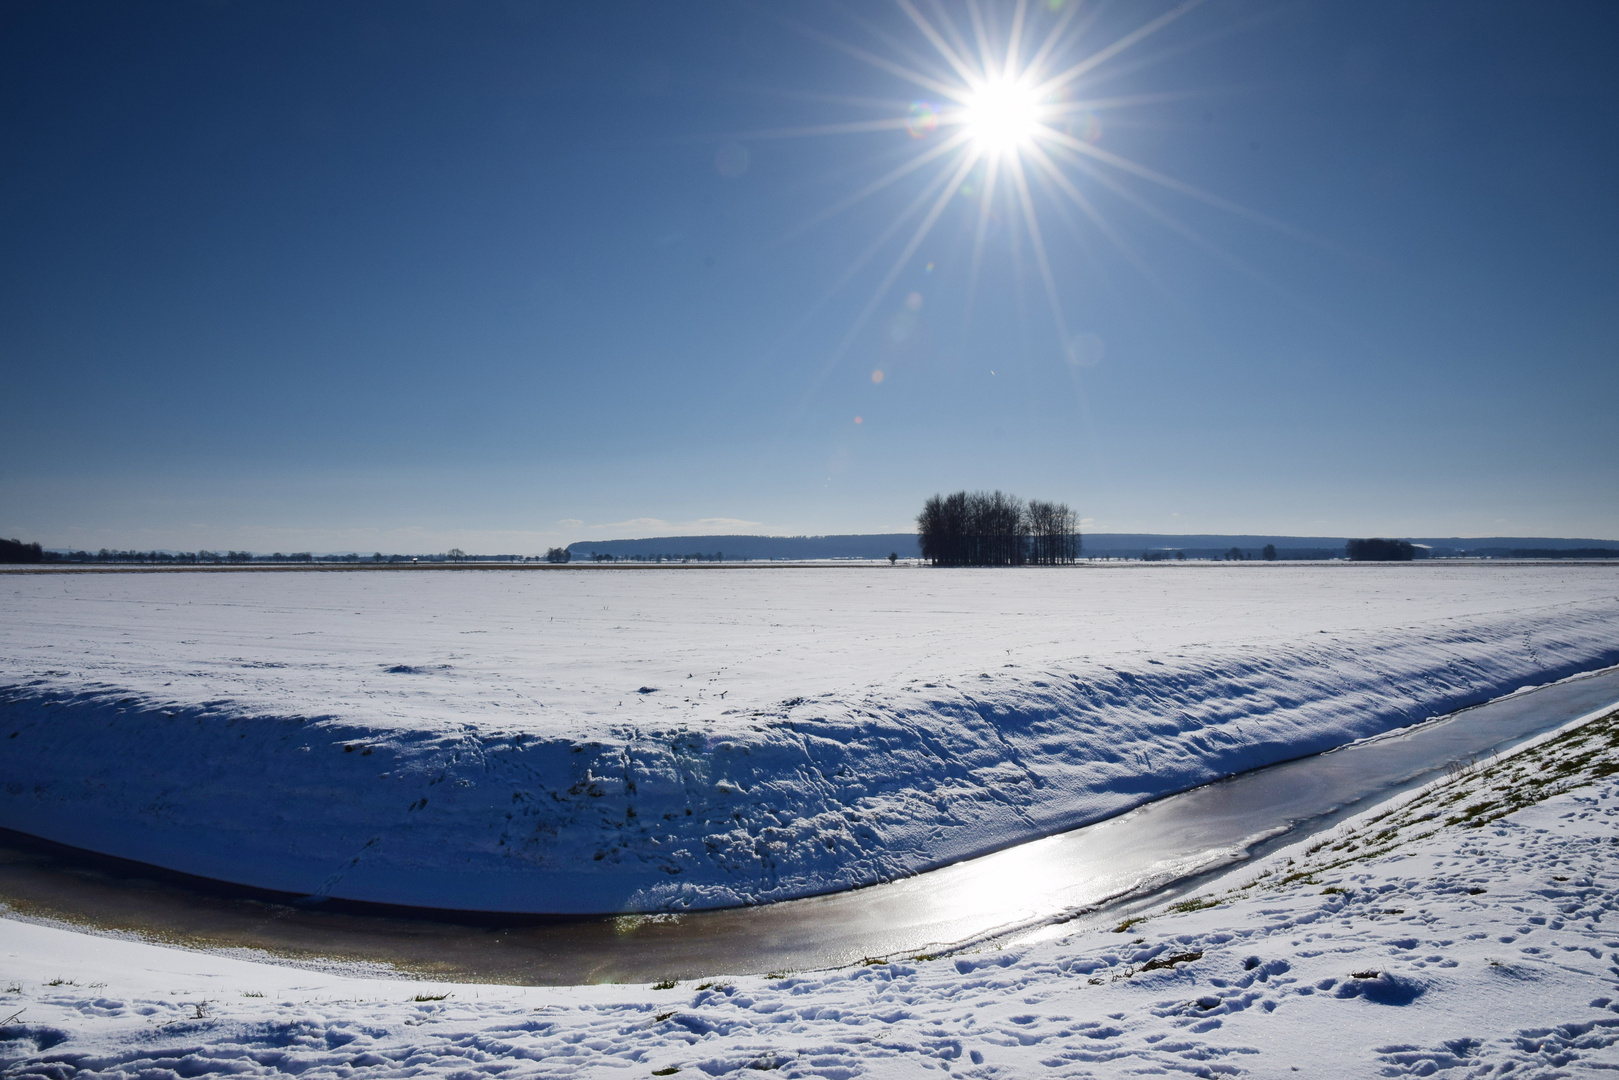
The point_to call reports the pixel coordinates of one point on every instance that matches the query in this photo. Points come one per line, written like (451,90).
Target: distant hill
(1096,545)
(1214,545)
(737,548)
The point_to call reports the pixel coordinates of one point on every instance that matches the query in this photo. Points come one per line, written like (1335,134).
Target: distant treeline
(1378,549)
(689,557)
(1268,553)
(1045,532)
(562,555)
(216,558)
(989,528)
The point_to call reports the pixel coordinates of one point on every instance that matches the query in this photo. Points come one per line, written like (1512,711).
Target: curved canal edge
(1088,874)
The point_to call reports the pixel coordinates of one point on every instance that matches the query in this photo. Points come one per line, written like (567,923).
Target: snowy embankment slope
(1420,945)
(608,741)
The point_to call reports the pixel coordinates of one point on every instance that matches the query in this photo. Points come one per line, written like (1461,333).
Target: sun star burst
(1015,126)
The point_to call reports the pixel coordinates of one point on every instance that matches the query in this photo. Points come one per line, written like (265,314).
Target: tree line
(666,557)
(185,558)
(991,528)
(14,551)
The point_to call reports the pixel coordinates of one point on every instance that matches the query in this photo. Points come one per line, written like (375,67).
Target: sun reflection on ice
(1009,887)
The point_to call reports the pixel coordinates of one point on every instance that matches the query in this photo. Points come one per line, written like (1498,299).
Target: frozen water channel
(1031,890)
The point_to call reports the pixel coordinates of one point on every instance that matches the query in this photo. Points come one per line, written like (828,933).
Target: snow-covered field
(1467,930)
(602,740)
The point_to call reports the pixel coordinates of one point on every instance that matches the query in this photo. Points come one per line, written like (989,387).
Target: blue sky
(503,275)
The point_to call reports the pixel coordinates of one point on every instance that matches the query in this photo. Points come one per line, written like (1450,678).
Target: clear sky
(403,276)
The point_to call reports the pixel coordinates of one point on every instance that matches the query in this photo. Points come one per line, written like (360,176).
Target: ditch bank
(805,796)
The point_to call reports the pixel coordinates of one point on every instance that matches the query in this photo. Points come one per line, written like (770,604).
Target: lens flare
(731,160)
(923,121)
(1085,126)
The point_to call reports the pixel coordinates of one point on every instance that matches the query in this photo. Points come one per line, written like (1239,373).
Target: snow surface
(1481,946)
(638,740)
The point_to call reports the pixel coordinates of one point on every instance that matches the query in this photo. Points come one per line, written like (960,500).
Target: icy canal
(1091,874)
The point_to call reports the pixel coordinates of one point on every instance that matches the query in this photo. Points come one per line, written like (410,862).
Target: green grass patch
(1196,903)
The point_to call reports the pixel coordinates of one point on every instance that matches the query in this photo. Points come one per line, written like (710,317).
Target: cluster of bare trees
(981,528)
(1377,549)
(15,551)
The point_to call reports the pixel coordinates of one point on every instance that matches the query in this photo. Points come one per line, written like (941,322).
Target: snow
(642,740)
(1467,930)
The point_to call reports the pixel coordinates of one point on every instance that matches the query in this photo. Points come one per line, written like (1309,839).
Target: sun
(1001,116)
(1009,124)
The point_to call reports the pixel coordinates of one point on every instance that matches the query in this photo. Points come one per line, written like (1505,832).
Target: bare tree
(996,529)
(1377,549)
